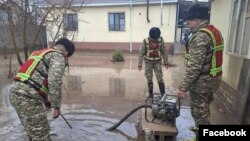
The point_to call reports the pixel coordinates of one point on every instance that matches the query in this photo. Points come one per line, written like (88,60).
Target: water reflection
(118,67)
(117,86)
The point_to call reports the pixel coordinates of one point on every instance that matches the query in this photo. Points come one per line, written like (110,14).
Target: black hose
(125,117)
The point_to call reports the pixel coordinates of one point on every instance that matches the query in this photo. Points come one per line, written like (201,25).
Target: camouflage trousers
(156,67)
(200,103)
(32,115)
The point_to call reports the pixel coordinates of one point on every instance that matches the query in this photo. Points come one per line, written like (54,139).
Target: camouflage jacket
(56,62)
(143,50)
(200,44)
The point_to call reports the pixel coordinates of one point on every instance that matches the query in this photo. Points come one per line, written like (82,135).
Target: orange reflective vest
(30,66)
(217,51)
(153,50)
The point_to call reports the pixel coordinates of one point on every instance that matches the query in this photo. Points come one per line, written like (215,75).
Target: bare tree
(26,19)
(4,38)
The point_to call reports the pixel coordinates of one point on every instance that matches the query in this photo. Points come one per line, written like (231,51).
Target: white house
(117,24)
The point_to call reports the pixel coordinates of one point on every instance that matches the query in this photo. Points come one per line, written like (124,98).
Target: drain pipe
(161,13)
(176,24)
(148,11)
(130,24)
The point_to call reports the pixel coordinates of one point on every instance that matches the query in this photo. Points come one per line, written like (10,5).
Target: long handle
(66,121)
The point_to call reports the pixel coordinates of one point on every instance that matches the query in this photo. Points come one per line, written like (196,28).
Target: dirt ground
(98,94)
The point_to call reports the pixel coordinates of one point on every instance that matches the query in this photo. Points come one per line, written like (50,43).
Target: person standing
(152,51)
(204,55)
(38,82)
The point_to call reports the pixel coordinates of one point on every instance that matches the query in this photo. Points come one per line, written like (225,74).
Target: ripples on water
(88,124)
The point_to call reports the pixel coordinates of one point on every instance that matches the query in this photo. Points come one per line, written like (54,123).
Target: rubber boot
(150,89)
(162,88)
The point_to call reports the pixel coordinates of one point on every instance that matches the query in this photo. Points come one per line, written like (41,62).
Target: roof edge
(115,4)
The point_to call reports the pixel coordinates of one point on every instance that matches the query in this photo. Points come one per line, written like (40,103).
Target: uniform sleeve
(164,52)
(141,53)
(55,75)
(198,49)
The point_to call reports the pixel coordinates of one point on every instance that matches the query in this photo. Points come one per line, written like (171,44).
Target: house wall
(231,64)
(94,32)
(234,90)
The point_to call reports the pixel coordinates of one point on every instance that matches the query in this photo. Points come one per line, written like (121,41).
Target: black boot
(150,89)
(162,88)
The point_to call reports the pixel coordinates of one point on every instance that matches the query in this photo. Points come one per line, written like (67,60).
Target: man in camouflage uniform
(152,51)
(26,93)
(199,79)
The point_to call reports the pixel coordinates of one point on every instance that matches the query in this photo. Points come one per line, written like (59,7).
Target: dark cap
(154,33)
(70,47)
(197,12)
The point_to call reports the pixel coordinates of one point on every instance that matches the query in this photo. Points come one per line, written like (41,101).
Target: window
(239,33)
(116,21)
(70,22)
(3,16)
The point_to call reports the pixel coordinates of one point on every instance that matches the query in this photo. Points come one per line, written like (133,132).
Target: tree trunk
(10,75)
(41,24)
(5,52)
(13,35)
(25,46)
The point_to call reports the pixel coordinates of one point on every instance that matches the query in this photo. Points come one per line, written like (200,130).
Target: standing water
(99,93)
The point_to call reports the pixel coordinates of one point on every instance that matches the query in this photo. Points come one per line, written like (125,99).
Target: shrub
(118,56)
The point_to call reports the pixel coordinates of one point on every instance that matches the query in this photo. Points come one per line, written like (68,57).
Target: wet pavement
(98,94)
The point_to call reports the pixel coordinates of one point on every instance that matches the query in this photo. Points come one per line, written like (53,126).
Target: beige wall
(141,27)
(93,23)
(220,17)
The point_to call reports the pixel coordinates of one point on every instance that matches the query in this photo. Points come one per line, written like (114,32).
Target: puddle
(99,94)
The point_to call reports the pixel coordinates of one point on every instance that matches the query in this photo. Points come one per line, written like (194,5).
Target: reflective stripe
(214,71)
(217,48)
(23,76)
(152,59)
(44,89)
(32,67)
(213,62)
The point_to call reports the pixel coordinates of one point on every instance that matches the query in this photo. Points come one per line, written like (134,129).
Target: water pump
(166,108)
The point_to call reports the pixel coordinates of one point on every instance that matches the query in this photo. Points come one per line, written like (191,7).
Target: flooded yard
(98,94)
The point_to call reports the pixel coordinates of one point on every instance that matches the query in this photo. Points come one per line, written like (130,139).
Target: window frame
(70,26)
(114,25)
(235,30)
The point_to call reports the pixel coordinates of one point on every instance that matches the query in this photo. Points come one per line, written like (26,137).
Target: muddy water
(99,94)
